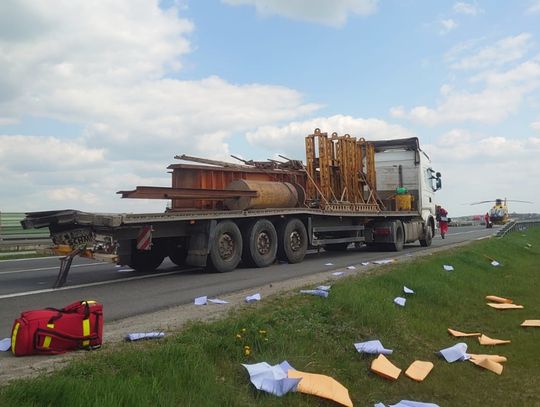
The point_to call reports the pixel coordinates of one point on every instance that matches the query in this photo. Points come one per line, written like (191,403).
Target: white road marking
(52,268)
(32,258)
(71,287)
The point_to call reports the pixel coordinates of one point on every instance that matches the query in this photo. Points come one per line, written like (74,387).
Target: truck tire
(293,241)
(260,243)
(226,248)
(177,251)
(397,246)
(147,260)
(336,247)
(426,242)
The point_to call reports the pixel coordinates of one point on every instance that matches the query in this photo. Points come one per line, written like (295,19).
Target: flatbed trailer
(219,216)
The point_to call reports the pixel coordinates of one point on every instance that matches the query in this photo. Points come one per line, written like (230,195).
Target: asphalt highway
(26,284)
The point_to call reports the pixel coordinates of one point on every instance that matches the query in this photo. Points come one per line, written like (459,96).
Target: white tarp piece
(272,379)
(456,352)
(201,300)
(374,347)
(5,344)
(254,297)
(408,403)
(144,335)
(448,268)
(400,301)
(407,290)
(217,301)
(320,293)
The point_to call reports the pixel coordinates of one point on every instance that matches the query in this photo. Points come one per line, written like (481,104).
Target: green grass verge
(201,365)
(21,255)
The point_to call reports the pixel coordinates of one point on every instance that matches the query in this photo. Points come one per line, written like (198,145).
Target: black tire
(225,248)
(177,251)
(292,240)
(336,247)
(397,246)
(260,243)
(426,242)
(147,260)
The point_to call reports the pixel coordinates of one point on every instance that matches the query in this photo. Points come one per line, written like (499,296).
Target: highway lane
(25,284)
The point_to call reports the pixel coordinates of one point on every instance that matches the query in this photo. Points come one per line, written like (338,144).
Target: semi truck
(348,192)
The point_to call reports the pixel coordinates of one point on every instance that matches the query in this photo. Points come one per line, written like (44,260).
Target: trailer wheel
(336,247)
(260,243)
(226,247)
(147,260)
(426,242)
(397,246)
(293,241)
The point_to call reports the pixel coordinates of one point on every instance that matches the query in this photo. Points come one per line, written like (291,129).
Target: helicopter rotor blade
(482,202)
(514,200)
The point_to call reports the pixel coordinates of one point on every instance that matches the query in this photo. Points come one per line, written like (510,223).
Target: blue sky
(98,97)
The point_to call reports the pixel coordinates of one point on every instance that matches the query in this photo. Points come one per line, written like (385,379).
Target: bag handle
(59,335)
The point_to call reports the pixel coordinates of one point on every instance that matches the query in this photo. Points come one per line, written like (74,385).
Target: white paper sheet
(324,287)
(319,293)
(456,352)
(5,344)
(329,264)
(201,300)
(407,290)
(385,261)
(409,403)
(374,347)
(272,379)
(365,263)
(351,268)
(400,301)
(448,267)
(338,273)
(217,301)
(144,335)
(254,297)
(495,263)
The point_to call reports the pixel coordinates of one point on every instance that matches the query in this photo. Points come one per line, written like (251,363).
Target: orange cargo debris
(322,386)
(383,367)
(418,370)
(531,322)
(504,306)
(501,300)
(486,340)
(459,334)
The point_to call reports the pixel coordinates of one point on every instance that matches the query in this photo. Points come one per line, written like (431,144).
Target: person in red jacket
(486,219)
(442,217)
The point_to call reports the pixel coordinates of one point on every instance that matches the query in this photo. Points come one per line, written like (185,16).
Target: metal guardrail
(11,229)
(518,225)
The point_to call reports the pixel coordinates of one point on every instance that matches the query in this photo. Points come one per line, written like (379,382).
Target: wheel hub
(295,241)
(263,243)
(226,246)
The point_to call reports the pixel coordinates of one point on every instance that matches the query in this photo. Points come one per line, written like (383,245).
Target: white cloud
(289,139)
(534,7)
(535,125)
(466,8)
(507,50)
(108,68)
(327,12)
(447,25)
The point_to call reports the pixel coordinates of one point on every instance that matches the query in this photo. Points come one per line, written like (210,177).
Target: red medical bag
(51,330)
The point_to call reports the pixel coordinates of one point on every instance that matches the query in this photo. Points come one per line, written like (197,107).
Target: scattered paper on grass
(407,290)
(384,368)
(217,301)
(486,340)
(320,293)
(400,301)
(494,358)
(365,263)
(338,273)
(448,267)
(385,261)
(408,403)
(531,322)
(501,300)
(372,347)
(458,334)
(272,379)
(454,353)
(324,287)
(529,245)
(329,264)
(418,370)
(488,364)
(5,344)
(144,335)
(321,386)
(201,300)
(504,306)
(351,268)
(254,297)
(495,263)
